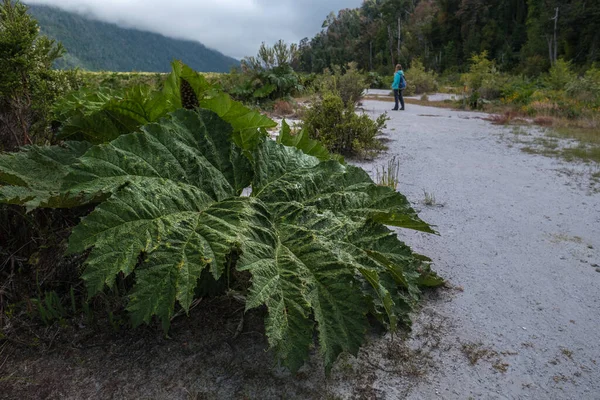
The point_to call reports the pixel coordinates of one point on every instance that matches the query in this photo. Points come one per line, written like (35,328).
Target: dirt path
(522,244)
(518,242)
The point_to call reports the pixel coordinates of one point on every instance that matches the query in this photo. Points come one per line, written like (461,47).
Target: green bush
(420,81)
(349,86)
(483,77)
(340,129)
(587,88)
(518,90)
(559,76)
(268,76)
(376,81)
(28,85)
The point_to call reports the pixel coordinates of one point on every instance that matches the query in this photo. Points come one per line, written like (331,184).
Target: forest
(522,36)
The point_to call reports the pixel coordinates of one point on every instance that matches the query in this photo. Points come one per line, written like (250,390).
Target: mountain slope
(95,45)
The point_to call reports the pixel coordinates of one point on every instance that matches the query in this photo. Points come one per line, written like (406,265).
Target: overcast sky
(234,27)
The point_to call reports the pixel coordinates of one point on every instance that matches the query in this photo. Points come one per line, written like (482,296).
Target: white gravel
(520,241)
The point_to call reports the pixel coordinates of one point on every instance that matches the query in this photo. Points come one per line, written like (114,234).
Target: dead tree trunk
(399,35)
(391,42)
(555,39)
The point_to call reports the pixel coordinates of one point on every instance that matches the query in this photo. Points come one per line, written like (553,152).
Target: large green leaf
(174,188)
(302,141)
(330,186)
(191,148)
(249,125)
(332,259)
(172,87)
(33,176)
(170,214)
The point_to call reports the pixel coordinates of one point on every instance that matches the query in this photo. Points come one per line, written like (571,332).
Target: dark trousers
(398,98)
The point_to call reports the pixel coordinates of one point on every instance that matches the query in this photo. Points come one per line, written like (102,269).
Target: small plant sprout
(429,199)
(389,174)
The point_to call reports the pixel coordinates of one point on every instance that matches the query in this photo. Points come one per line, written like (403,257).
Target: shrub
(420,81)
(349,86)
(28,85)
(269,75)
(587,88)
(340,129)
(483,77)
(560,75)
(376,81)
(519,89)
(535,65)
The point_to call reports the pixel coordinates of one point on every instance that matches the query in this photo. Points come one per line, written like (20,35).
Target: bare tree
(553,41)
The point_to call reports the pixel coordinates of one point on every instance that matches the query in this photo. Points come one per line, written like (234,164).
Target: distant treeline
(524,36)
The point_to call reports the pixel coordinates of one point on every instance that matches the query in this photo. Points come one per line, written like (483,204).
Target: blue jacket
(397,79)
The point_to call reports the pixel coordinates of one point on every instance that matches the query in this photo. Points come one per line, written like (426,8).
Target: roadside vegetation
(127,204)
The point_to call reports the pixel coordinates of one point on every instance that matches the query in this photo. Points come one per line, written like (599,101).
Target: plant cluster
(560,93)
(268,76)
(420,81)
(166,220)
(341,129)
(346,83)
(28,85)
(483,79)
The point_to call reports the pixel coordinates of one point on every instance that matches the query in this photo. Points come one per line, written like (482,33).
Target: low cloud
(234,27)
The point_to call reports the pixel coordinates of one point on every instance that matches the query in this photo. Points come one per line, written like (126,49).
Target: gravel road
(520,243)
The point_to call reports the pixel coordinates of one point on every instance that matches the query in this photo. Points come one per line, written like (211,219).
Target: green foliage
(268,76)
(340,129)
(445,33)
(101,116)
(376,81)
(303,142)
(311,235)
(28,86)
(587,88)
(349,85)
(31,175)
(419,80)
(559,76)
(483,78)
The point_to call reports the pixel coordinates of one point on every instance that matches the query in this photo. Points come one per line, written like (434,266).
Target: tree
(27,83)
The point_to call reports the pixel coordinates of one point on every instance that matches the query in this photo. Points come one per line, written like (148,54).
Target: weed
(567,353)
(476,352)
(429,199)
(500,366)
(389,175)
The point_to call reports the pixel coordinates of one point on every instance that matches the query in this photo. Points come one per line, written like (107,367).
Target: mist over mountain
(95,45)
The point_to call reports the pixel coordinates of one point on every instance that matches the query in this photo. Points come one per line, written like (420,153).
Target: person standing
(398,86)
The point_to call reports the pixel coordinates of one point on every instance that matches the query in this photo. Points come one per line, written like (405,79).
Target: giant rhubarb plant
(169,210)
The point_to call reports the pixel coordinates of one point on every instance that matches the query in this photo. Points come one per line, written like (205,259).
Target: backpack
(402,82)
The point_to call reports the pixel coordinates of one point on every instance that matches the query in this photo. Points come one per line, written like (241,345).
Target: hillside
(95,45)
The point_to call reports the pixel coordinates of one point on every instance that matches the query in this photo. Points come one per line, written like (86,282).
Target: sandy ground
(519,244)
(521,241)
